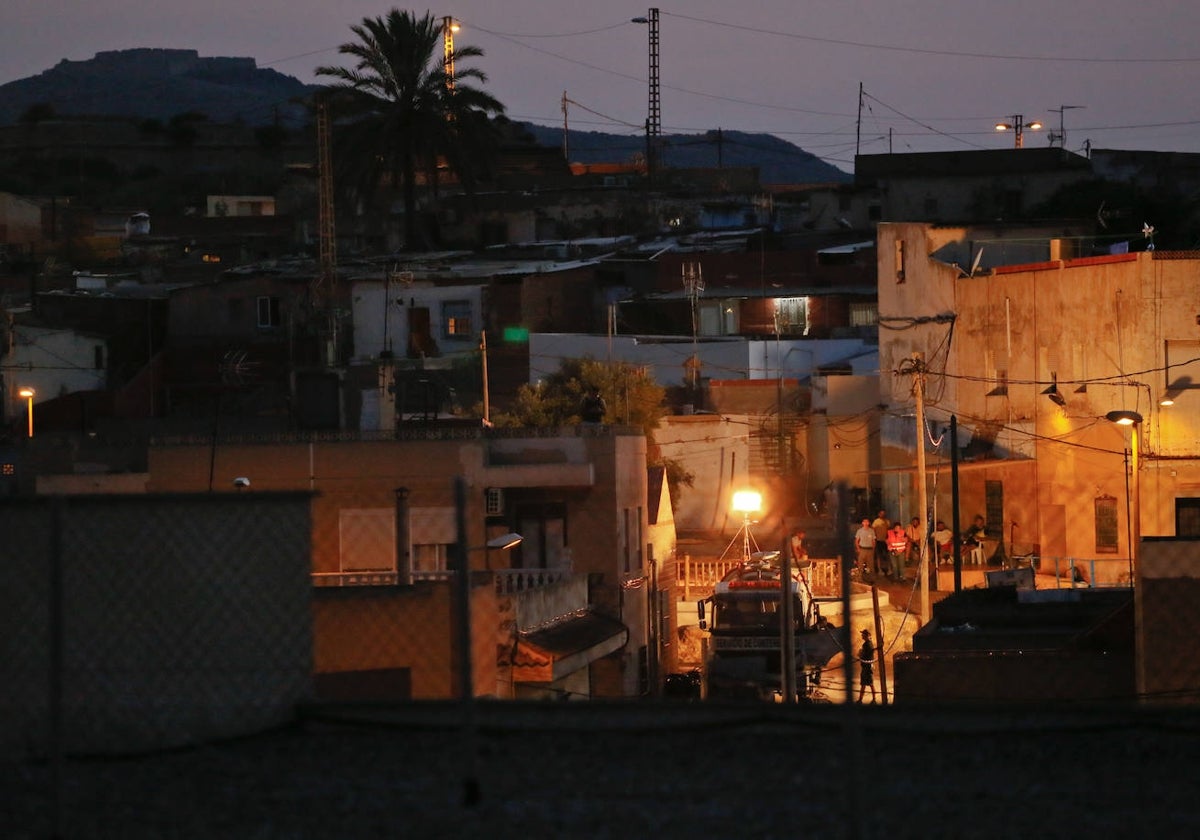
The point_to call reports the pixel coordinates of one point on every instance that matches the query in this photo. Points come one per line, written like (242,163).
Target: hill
(159,84)
(778,161)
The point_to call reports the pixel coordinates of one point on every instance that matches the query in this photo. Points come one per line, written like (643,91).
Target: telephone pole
(916,367)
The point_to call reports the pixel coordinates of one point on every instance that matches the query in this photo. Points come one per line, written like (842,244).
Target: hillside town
(470,419)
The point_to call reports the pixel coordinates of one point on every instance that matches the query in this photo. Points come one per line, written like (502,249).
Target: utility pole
(321,287)
(858,122)
(566,155)
(487,412)
(654,111)
(916,367)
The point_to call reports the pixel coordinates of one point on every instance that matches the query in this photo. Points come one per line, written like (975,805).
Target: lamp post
(746,502)
(471,792)
(27,394)
(1134,421)
(1018,126)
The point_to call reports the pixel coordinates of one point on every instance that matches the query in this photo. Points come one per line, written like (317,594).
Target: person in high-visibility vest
(897,545)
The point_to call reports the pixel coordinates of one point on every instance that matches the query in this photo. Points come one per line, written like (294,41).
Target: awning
(551,653)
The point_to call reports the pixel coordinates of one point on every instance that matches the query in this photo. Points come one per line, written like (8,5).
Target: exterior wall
(715,449)
(666,356)
(20,222)
(52,362)
(1168,615)
(1114,324)
(369,310)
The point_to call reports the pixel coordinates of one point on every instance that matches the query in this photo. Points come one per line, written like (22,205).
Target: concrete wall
(170,619)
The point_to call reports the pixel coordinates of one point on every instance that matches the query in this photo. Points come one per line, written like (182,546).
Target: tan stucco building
(1030,340)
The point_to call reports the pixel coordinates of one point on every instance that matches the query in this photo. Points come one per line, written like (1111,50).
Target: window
(1106,525)
(544,528)
(792,315)
(367,539)
(432,531)
(864,314)
(1187,517)
(456,319)
(268,312)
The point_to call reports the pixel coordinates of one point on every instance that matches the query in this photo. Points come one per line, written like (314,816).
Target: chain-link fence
(142,622)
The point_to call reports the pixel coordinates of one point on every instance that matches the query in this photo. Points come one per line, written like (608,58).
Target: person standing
(799,549)
(866,666)
(864,542)
(897,546)
(881,526)
(916,538)
(592,409)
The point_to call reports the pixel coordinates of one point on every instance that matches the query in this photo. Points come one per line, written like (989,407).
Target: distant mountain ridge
(150,83)
(778,161)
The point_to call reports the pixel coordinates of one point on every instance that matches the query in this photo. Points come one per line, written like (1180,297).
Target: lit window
(456,316)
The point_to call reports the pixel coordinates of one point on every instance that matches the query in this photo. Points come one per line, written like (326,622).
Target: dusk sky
(936,74)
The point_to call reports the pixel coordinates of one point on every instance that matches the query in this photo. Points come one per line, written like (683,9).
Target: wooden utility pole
(918,371)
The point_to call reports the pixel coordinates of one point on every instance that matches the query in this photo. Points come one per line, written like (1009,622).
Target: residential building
(1030,356)
(385,526)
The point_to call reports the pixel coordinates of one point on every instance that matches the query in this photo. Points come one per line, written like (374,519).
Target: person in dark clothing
(592,409)
(866,666)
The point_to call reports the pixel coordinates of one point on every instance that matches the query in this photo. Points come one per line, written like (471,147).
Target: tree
(633,399)
(400,114)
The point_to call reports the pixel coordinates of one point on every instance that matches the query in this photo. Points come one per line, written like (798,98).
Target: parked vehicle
(744,650)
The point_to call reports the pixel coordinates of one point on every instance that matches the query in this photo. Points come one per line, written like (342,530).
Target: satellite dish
(975,262)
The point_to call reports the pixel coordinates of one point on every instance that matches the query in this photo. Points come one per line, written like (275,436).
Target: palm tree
(401,116)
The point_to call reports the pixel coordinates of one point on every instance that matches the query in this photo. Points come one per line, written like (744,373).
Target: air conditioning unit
(493,501)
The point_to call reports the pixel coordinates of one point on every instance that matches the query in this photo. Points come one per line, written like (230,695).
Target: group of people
(886,547)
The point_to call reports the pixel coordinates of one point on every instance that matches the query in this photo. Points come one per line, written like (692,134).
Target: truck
(743,656)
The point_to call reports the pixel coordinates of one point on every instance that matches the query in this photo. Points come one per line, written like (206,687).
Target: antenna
(975,262)
(1061,137)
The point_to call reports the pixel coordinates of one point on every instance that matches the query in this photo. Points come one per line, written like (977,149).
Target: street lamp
(1134,421)
(1018,126)
(28,394)
(1134,506)
(746,502)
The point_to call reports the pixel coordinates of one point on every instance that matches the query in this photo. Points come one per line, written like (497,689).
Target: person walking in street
(864,542)
(897,546)
(866,666)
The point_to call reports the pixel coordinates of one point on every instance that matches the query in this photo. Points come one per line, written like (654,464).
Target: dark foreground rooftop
(640,770)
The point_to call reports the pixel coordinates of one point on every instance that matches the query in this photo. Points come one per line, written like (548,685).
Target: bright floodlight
(505,541)
(25,393)
(1123,418)
(747,501)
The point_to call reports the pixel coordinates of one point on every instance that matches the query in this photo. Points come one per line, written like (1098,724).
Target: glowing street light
(746,502)
(28,395)
(1018,126)
(1134,421)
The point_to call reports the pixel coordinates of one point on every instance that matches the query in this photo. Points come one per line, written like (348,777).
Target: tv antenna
(1060,139)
